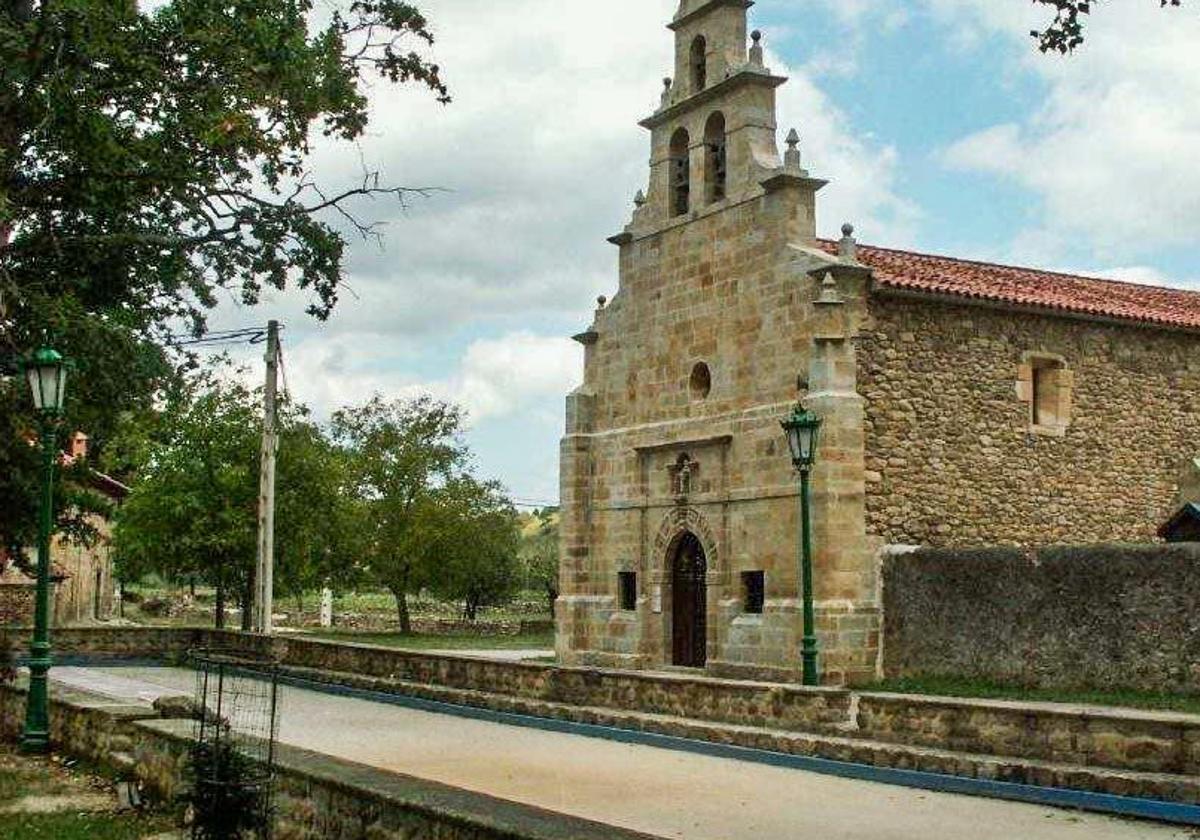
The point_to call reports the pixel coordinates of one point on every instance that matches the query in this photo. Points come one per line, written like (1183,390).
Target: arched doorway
(689,603)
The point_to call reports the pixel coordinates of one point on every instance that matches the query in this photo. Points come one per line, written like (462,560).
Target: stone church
(963,403)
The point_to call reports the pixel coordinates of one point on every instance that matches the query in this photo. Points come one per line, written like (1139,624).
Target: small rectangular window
(753,592)
(628,587)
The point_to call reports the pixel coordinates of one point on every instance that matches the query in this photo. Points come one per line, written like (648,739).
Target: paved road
(661,792)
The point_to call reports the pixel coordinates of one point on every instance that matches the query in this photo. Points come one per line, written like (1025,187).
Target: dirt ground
(52,798)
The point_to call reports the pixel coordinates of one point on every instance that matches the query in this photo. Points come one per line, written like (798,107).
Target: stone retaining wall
(1100,617)
(728,701)
(317,796)
(1121,739)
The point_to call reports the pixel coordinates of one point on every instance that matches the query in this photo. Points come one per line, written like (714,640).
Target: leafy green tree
(154,160)
(475,542)
(193,511)
(194,506)
(1066,32)
(539,553)
(320,543)
(401,453)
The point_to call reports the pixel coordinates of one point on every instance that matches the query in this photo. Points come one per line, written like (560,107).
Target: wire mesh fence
(233,757)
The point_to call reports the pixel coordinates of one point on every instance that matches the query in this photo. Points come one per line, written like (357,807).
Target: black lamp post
(47,375)
(803,431)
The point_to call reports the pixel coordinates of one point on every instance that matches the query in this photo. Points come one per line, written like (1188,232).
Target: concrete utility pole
(264,579)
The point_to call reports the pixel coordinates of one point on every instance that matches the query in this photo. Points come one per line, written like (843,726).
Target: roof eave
(883,289)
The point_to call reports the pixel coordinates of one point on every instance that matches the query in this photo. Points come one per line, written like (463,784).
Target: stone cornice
(784,178)
(704,9)
(700,443)
(737,79)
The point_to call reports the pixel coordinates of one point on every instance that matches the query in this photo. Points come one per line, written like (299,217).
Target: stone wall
(1119,751)
(1154,742)
(953,457)
(1103,617)
(317,796)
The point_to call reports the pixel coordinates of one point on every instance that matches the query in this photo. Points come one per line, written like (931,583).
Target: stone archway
(678,521)
(685,555)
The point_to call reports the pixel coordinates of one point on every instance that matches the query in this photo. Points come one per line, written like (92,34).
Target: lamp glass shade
(47,377)
(803,430)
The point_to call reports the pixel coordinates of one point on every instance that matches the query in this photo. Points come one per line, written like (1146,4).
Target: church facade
(962,403)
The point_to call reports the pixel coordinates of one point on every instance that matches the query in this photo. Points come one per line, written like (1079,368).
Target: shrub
(8,663)
(156,607)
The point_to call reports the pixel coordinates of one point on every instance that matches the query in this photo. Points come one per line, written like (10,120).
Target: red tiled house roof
(907,271)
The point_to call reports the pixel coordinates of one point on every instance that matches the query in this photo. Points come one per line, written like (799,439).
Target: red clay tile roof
(930,274)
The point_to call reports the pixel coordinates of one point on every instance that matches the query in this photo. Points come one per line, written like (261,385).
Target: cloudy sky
(940,126)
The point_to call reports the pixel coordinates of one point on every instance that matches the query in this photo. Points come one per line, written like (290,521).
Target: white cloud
(510,374)
(539,156)
(494,377)
(1111,152)
(862,172)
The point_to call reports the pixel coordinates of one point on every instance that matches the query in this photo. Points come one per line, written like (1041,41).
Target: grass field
(368,610)
(957,687)
(524,641)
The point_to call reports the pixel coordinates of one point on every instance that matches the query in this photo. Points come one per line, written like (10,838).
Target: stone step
(835,747)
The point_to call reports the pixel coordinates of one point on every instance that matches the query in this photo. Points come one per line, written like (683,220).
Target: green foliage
(472,535)
(8,663)
(151,161)
(539,553)
(1065,33)
(949,686)
(399,452)
(194,506)
(81,826)
(228,793)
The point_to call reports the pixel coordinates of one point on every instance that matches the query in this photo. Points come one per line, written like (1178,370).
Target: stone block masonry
(1105,617)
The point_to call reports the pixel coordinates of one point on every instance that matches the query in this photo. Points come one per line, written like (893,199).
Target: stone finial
(829,290)
(847,246)
(792,157)
(666,94)
(601,302)
(639,199)
(756,51)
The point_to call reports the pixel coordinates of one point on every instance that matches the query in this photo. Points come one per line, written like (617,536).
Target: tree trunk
(471,609)
(247,604)
(402,610)
(552,597)
(220,607)
(299,607)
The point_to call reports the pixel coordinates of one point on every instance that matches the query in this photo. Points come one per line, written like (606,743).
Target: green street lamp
(47,375)
(803,432)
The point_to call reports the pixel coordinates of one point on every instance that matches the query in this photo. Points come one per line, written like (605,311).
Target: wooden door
(689,604)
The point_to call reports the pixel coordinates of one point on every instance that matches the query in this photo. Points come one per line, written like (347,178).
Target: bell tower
(727,310)
(713,137)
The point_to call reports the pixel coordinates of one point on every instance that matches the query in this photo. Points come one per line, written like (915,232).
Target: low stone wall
(770,715)
(317,796)
(702,698)
(113,642)
(1123,739)
(1100,617)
